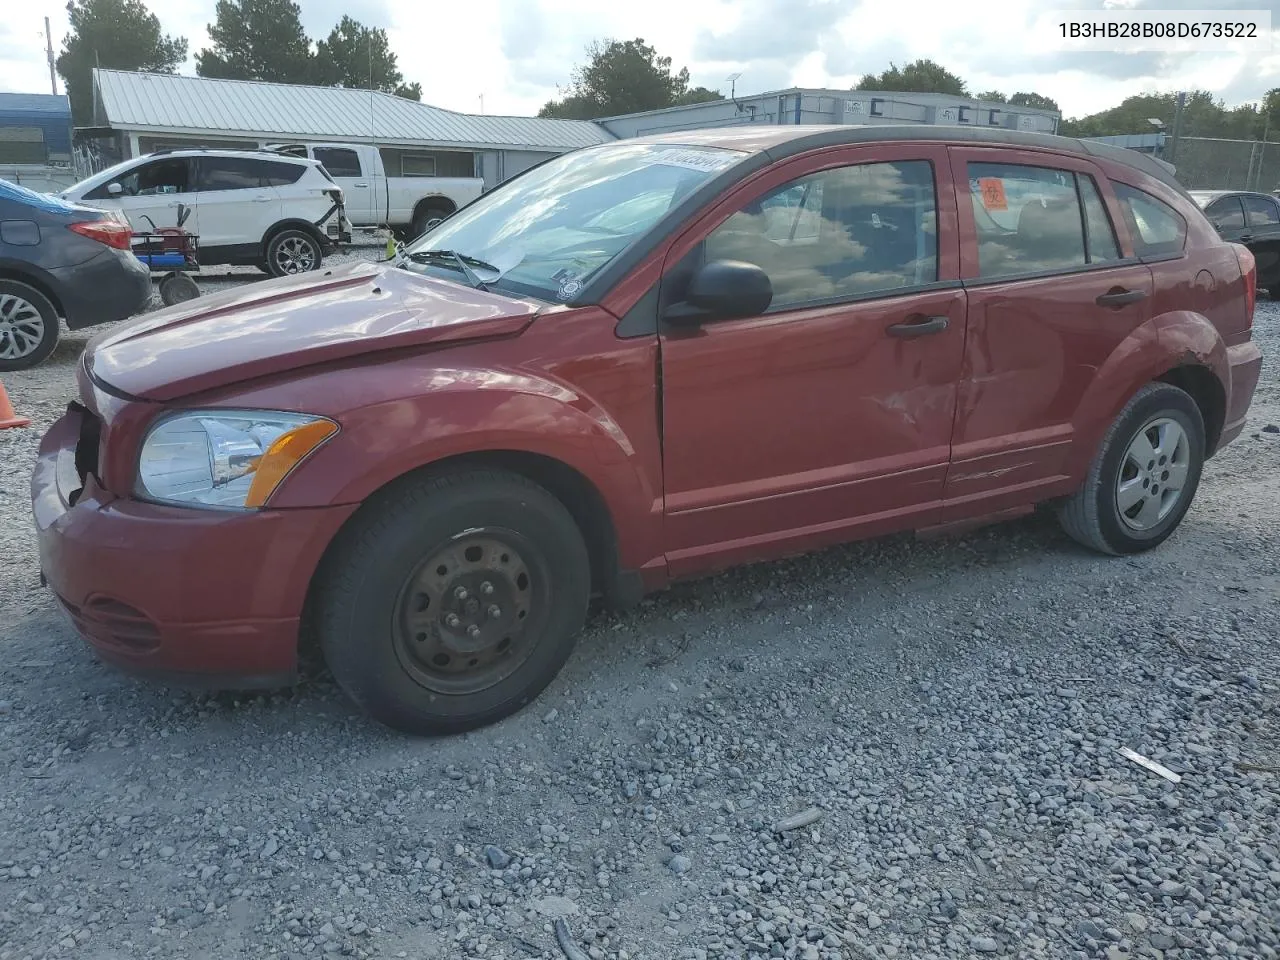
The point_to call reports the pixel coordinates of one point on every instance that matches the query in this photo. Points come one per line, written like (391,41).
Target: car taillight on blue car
(111,232)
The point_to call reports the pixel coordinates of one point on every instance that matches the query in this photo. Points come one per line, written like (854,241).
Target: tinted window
(846,232)
(1158,229)
(1028,219)
(230,173)
(1226,214)
(1261,212)
(1100,235)
(280,174)
(339,161)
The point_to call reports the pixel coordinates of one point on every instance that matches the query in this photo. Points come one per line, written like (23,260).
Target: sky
(509,56)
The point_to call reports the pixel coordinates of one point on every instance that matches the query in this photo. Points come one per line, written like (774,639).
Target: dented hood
(264,328)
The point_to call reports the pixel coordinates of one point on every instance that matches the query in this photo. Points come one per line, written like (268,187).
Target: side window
(1261,212)
(339,161)
(1100,235)
(847,232)
(229,173)
(149,179)
(275,174)
(1028,220)
(1226,214)
(1158,229)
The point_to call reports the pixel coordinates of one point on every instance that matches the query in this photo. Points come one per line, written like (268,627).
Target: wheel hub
(1153,474)
(463,615)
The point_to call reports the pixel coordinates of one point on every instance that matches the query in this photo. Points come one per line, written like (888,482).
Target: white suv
(276,212)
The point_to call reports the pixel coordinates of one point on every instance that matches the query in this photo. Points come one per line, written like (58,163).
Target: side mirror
(114,189)
(723,290)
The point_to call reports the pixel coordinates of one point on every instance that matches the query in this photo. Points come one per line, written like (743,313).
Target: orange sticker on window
(993,197)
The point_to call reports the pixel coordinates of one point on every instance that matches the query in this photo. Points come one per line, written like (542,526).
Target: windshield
(548,232)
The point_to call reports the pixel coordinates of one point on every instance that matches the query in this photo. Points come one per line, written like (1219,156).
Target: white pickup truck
(404,188)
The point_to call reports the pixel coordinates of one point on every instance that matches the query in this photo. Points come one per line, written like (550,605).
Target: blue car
(60,260)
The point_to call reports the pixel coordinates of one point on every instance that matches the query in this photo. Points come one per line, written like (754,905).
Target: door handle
(1120,298)
(920,327)
(360,185)
(261,199)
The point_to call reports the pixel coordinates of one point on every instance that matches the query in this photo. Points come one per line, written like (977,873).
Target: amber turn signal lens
(286,452)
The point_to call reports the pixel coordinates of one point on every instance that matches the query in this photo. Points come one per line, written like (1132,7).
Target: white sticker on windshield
(708,161)
(569,289)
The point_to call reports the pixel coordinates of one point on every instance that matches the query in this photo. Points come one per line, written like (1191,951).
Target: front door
(828,417)
(358,185)
(1052,295)
(1262,237)
(153,195)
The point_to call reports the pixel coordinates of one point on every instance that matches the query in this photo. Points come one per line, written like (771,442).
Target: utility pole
(1177,125)
(482,104)
(48,47)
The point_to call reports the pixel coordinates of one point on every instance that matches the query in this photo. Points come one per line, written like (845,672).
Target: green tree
(120,34)
(1034,100)
(355,55)
(919,76)
(257,40)
(410,91)
(623,77)
(995,96)
(1203,115)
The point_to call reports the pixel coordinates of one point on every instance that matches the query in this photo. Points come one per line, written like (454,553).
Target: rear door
(237,204)
(1262,237)
(359,186)
(1052,294)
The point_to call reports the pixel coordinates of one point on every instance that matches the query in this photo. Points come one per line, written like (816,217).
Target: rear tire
(423,216)
(450,602)
(293,251)
(28,326)
(1144,477)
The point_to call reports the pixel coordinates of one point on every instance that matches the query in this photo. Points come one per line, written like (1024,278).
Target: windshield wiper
(427,256)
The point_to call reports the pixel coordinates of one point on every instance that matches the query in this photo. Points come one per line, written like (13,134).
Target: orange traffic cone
(7,416)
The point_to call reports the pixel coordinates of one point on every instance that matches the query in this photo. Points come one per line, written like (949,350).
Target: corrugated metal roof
(46,103)
(177,104)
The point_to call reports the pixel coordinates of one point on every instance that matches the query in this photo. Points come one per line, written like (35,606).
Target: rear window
(1158,230)
(339,161)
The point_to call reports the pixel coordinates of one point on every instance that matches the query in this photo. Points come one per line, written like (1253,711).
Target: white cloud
(514,52)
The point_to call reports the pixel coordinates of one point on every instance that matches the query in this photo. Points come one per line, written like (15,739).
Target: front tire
(28,326)
(1144,477)
(451,602)
(293,251)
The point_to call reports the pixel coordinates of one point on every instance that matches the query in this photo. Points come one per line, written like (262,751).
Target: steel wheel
(1153,474)
(22,327)
(468,617)
(295,254)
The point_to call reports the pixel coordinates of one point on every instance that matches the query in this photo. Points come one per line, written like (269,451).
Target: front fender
(1176,339)
(454,411)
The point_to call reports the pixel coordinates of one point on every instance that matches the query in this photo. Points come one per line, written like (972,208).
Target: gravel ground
(951,709)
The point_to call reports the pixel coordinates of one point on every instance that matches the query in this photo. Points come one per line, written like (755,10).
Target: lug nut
(486,588)
(452,620)
(495,611)
(460,593)
(473,631)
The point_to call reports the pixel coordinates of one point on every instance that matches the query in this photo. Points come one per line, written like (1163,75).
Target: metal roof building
(151,111)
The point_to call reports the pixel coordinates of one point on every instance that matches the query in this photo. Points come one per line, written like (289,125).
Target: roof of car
(1208,196)
(224,152)
(781,141)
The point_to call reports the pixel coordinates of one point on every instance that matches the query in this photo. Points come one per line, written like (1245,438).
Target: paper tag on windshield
(708,161)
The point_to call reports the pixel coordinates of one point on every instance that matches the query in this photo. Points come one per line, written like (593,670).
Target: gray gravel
(953,710)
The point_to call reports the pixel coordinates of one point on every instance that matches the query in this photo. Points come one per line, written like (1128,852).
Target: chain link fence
(1211,164)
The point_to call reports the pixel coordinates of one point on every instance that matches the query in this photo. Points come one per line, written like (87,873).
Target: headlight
(226,458)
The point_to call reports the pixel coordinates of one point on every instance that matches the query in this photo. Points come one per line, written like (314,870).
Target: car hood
(262,328)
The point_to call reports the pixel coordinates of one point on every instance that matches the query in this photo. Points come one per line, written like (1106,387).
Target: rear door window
(1226,214)
(276,174)
(1158,230)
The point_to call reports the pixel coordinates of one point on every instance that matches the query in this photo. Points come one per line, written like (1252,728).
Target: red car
(641,361)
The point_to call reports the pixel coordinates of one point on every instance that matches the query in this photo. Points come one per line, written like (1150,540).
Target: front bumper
(195,597)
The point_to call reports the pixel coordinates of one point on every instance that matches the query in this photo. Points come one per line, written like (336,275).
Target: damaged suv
(641,361)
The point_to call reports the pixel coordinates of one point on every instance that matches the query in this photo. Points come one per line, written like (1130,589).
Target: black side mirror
(723,290)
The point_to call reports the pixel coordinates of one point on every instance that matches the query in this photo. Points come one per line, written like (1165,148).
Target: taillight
(110,232)
(1249,270)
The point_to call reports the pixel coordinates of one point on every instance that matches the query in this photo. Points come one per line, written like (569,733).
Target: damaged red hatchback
(640,361)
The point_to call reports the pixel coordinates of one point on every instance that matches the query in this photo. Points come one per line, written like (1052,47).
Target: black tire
(384,636)
(178,288)
(1093,515)
(423,216)
(292,251)
(28,326)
